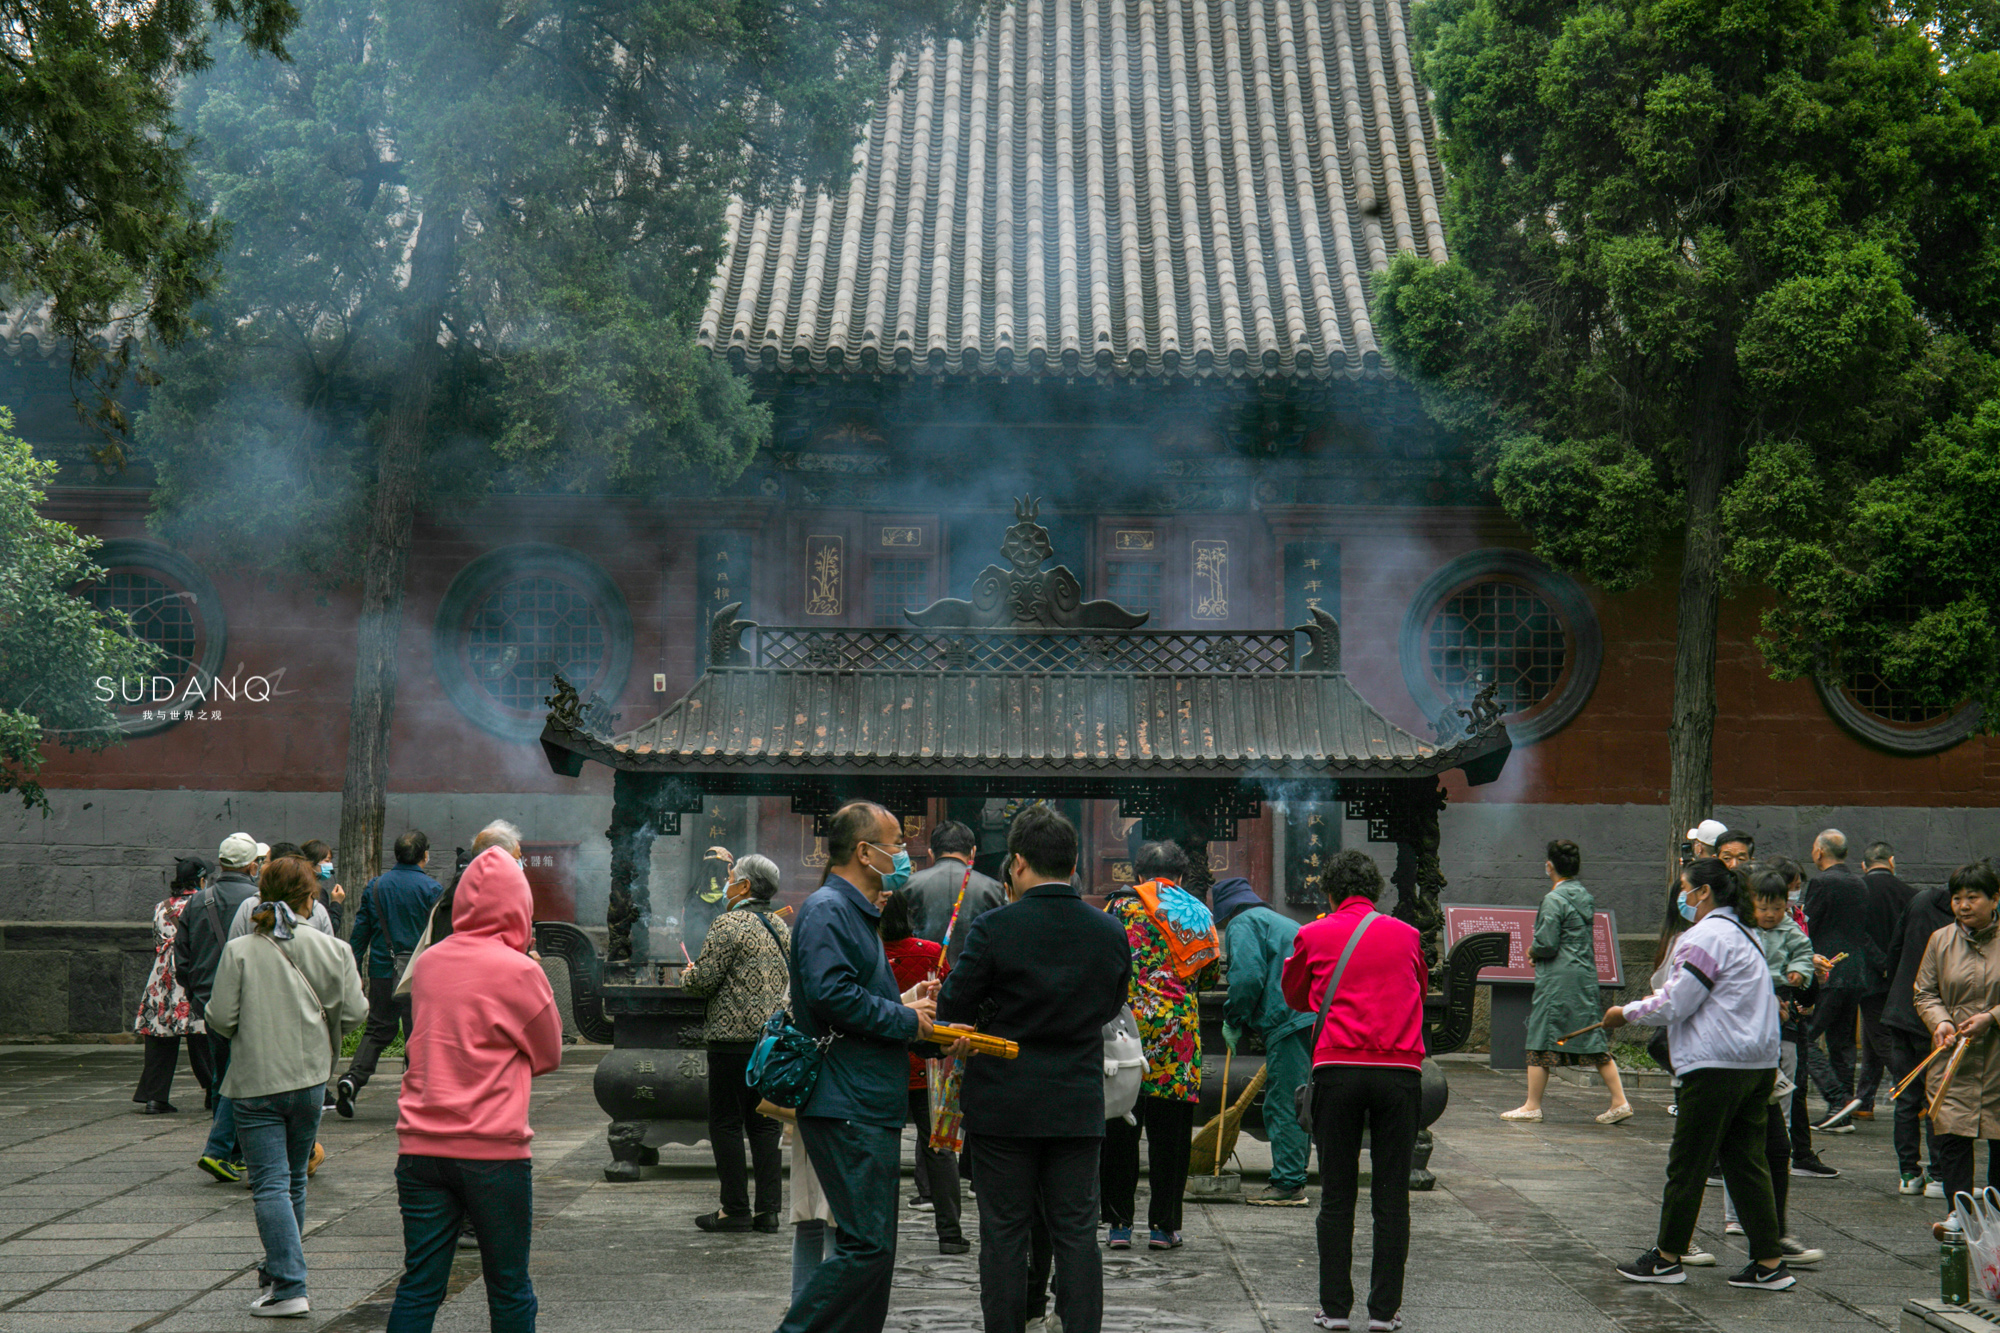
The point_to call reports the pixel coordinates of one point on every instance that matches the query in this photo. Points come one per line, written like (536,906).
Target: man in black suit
(1888,899)
(1047,971)
(1842,919)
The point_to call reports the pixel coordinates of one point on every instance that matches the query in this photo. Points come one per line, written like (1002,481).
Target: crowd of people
(1767,980)
(251,971)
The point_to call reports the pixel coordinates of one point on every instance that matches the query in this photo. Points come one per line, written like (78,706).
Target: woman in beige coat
(1958,996)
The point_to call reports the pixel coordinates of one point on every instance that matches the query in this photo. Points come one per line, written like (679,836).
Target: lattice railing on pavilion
(1160,651)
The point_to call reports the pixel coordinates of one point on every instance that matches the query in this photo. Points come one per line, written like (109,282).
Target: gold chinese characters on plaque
(902,536)
(1132,539)
(1209,588)
(824,571)
(813,853)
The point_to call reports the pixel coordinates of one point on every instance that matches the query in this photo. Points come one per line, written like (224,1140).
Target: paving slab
(106,1224)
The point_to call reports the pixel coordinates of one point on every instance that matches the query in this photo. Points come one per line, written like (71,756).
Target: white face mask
(1796,896)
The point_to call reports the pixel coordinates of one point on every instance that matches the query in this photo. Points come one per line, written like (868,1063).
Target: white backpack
(1124,1066)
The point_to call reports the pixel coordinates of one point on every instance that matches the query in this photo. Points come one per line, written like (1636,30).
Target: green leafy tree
(470,244)
(55,646)
(93,172)
(1719,267)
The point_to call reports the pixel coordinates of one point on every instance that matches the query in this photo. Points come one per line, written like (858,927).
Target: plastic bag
(947,1120)
(1980,1216)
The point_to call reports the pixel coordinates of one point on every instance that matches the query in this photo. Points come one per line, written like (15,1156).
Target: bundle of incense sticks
(982,1044)
(1580,1031)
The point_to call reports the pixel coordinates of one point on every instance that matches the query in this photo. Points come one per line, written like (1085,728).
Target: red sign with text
(1518,923)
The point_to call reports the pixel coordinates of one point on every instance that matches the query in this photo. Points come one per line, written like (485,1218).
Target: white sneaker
(1389,1325)
(1732,1228)
(295,1308)
(1698,1258)
(1321,1319)
(1934,1189)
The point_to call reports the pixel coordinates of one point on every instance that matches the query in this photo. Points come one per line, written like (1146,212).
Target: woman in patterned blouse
(164,1017)
(1167,1004)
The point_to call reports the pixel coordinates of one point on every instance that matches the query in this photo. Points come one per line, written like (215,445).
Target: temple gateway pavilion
(1114,256)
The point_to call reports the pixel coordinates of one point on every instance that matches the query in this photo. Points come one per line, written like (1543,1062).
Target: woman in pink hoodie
(485,1024)
(1368,1049)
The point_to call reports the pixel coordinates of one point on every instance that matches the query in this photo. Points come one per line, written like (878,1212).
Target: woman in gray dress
(1566,990)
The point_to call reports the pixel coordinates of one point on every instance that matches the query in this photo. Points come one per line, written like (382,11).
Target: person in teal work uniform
(1566,989)
(1259,941)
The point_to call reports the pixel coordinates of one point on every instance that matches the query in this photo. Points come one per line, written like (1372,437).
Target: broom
(1216,1140)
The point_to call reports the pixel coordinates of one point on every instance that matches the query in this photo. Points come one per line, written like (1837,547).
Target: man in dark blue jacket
(394,909)
(1047,971)
(852,1125)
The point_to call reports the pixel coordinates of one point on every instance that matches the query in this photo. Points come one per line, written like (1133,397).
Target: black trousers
(163,1055)
(1348,1099)
(1877,1049)
(1022,1180)
(860,1172)
(732,1117)
(1724,1112)
(1169,1130)
(1955,1158)
(1912,1132)
(386,1011)
(1801,1128)
(937,1172)
(1832,1070)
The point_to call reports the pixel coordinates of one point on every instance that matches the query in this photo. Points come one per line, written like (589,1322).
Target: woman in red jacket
(1368,1047)
(913,959)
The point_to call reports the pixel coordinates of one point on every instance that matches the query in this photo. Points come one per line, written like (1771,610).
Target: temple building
(1113,255)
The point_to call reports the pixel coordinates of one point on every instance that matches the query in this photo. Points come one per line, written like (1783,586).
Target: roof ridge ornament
(1025,595)
(725,637)
(1322,641)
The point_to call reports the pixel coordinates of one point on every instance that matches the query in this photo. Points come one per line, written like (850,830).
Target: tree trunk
(1691,733)
(385,563)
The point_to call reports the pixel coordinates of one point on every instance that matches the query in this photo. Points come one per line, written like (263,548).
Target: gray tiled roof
(1139,187)
(1277,726)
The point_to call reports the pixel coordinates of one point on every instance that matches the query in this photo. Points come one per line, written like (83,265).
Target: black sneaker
(343,1098)
(1839,1120)
(919,1204)
(1815,1168)
(1759,1278)
(1650,1267)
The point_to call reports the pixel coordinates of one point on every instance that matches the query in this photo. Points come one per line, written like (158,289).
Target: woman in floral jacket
(164,1017)
(1166,999)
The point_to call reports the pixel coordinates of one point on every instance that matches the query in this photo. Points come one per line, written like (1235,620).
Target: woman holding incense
(1721,1016)
(1958,994)
(1566,989)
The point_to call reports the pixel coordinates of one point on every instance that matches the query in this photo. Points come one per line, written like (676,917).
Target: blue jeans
(222,1142)
(440,1194)
(277,1133)
(812,1245)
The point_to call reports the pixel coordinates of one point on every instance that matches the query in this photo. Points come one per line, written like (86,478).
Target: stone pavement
(105,1224)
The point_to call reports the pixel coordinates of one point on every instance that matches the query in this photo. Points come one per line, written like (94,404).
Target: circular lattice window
(170,604)
(1502,618)
(1884,714)
(514,618)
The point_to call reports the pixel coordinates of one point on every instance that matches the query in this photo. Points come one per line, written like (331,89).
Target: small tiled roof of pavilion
(1275,726)
(1133,187)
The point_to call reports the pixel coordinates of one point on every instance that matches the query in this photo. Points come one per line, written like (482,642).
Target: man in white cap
(1704,835)
(197,952)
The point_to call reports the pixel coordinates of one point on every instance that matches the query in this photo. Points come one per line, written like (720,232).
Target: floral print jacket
(163,1009)
(1168,1008)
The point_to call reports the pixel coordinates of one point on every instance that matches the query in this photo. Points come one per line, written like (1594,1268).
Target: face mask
(899,871)
(1796,896)
(326,870)
(1686,907)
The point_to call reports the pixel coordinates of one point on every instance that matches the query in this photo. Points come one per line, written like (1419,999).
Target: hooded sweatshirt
(485,1024)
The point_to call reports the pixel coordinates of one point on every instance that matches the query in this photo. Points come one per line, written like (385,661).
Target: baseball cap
(1707,831)
(263,851)
(238,849)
